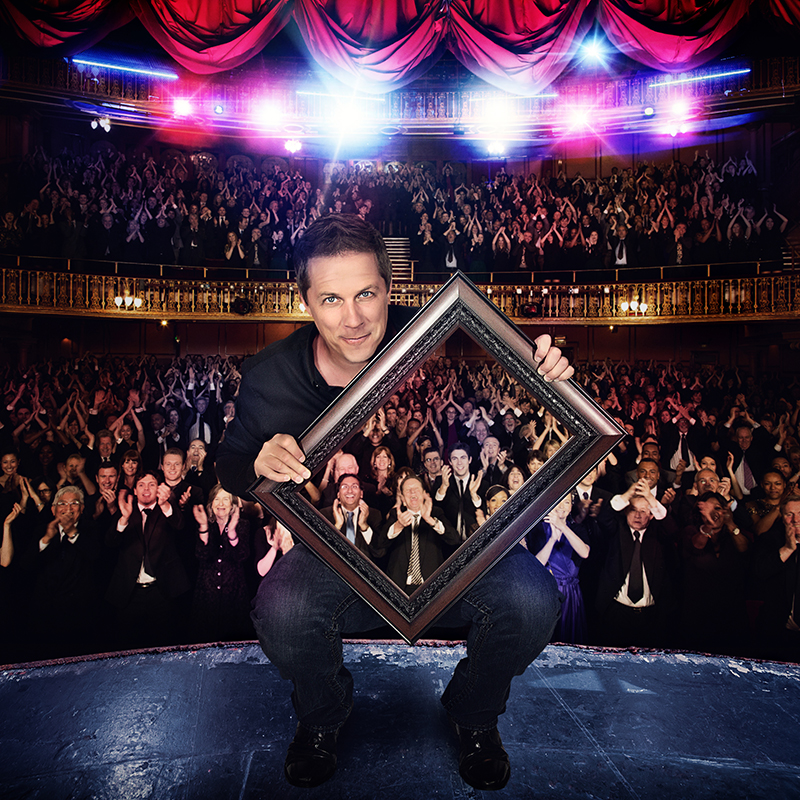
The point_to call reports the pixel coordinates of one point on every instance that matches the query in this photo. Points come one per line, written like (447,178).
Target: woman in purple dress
(560,544)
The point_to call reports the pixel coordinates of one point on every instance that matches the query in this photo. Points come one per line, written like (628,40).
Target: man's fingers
(281,459)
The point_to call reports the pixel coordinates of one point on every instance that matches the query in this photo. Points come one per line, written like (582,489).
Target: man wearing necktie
(635,598)
(64,561)
(753,452)
(352,516)
(414,534)
(457,492)
(149,575)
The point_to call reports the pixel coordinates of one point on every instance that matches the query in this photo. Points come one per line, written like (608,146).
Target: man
(148,576)
(344,278)
(414,535)
(778,574)
(493,462)
(752,454)
(65,559)
(457,493)
(353,517)
(431,468)
(635,598)
(648,474)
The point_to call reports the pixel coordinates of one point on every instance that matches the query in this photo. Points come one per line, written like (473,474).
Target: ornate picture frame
(458,305)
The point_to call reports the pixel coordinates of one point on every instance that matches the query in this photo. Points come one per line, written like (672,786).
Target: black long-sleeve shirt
(281,391)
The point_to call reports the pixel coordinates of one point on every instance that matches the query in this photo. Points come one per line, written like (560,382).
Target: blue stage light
(155,73)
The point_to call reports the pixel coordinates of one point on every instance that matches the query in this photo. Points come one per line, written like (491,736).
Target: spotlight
(649,111)
(164,323)
(182,107)
(579,118)
(292,145)
(105,123)
(219,109)
(94,124)
(593,51)
(496,149)
(268,115)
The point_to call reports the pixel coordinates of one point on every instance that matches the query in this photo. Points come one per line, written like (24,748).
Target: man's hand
(338,516)
(363,513)
(281,460)
(552,365)
(163,493)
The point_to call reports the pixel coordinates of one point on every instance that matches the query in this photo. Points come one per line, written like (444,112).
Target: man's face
(481,431)
(346,464)
(459,463)
(649,471)
(391,416)
(349,302)
(67,510)
(197,449)
(350,493)
(157,422)
(201,404)
(491,447)
(638,514)
(146,490)
(105,447)
(72,468)
(107,478)
(782,466)
(707,481)
(744,436)
(651,451)
(172,466)
(791,516)
(433,463)
(413,494)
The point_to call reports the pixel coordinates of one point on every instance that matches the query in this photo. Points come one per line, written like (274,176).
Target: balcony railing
(628,297)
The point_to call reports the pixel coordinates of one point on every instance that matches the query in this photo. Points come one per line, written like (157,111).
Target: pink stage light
(182,107)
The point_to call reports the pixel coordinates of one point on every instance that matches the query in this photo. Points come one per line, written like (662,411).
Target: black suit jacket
(451,503)
(374,520)
(658,559)
(776,580)
(431,553)
(161,534)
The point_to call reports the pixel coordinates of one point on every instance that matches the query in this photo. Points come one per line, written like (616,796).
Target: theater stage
(213,722)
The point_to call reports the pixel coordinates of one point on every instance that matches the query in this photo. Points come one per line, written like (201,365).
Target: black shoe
(482,761)
(311,758)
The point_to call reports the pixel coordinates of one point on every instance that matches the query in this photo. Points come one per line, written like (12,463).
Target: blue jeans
(303,608)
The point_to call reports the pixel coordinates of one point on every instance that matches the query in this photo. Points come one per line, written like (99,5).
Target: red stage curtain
(206,36)
(373,46)
(788,10)
(517,45)
(671,35)
(73,25)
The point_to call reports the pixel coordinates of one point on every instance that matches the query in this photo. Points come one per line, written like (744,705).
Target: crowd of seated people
(109,208)
(117,535)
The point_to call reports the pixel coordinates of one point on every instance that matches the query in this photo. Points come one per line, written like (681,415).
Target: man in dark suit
(149,575)
(64,557)
(457,492)
(413,535)
(635,596)
(353,517)
(624,247)
(753,450)
(778,573)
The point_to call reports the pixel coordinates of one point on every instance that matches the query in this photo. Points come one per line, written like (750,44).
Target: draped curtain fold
(207,37)
(375,46)
(71,25)
(518,45)
(669,35)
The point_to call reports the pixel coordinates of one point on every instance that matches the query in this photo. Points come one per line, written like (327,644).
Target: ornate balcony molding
(110,297)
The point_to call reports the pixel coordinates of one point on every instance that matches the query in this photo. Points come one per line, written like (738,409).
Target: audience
(111,209)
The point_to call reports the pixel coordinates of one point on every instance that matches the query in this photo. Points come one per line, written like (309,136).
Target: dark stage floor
(214,723)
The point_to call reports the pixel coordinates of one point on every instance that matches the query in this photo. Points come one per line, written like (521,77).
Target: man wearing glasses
(65,593)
